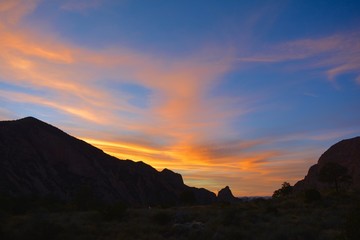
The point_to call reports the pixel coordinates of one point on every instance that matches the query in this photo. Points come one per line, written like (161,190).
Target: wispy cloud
(12,11)
(337,54)
(81,5)
(181,126)
(73,76)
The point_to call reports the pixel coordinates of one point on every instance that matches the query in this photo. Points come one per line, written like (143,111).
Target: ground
(333,216)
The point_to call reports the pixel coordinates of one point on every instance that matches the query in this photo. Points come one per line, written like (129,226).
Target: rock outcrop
(345,153)
(39,159)
(225,195)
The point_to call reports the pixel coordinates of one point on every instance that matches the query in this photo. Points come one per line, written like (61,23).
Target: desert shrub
(115,211)
(190,230)
(352,224)
(33,227)
(234,215)
(289,203)
(4,202)
(291,231)
(312,195)
(21,205)
(162,217)
(232,232)
(183,217)
(229,217)
(329,234)
(84,199)
(271,209)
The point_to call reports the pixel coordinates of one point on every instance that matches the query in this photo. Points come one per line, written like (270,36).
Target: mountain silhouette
(345,153)
(37,159)
(225,195)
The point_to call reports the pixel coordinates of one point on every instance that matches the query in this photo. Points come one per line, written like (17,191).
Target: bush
(84,199)
(162,217)
(229,217)
(352,224)
(32,227)
(272,210)
(116,211)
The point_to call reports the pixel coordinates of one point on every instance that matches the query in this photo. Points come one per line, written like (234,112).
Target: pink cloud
(12,11)
(338,54)
(180,115)
(73,75)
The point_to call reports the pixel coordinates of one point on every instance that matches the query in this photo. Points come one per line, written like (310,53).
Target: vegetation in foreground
(310,215)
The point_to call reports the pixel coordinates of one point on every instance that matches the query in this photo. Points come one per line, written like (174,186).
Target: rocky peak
(174,179)
(225,195)
(345,153)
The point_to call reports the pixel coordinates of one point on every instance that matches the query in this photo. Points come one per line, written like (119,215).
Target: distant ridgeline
(338,167)
(37,159)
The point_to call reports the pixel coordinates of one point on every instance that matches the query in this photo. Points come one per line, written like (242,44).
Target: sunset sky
(247,94)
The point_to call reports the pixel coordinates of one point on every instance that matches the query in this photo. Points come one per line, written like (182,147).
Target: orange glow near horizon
(244,112)
(198,171)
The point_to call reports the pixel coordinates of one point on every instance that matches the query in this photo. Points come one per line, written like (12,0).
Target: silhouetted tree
(334,173)
(285,190)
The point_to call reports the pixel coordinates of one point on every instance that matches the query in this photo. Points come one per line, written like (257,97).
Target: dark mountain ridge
(39,159)
(346,153)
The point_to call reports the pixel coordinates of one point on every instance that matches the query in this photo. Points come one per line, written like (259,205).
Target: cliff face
(345,153)
(39,159)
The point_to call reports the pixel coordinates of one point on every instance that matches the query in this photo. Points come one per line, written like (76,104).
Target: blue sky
(240,93)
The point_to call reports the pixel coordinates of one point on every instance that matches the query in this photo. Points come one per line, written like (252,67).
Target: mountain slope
(345,153)
(39,159)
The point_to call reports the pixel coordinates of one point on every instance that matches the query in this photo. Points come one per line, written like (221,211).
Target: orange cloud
(74,74)
(240,170)
(180,126)
(17,43)
(12,11)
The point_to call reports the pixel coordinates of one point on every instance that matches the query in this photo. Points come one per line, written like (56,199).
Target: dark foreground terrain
(334,216)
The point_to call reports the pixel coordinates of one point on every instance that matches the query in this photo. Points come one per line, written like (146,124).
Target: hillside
(39,159)
(346,153)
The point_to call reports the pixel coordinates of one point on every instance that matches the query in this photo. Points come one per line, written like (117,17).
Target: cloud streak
(81,5)
(338,54)
(182,126)
(73,75)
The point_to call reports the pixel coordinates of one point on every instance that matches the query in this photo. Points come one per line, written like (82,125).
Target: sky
(246,94)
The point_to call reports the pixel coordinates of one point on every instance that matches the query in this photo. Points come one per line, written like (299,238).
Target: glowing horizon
(237,93)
